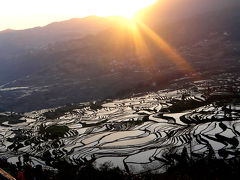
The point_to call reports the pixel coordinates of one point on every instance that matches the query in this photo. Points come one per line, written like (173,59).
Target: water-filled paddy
(136,134)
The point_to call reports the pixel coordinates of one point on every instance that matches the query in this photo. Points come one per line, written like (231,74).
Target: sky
(22,14)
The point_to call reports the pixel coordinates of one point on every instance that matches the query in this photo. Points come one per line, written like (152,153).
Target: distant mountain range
(18,46)
(13,42)
(95,58)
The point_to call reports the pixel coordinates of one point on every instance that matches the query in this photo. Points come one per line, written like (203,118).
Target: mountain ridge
(106,65)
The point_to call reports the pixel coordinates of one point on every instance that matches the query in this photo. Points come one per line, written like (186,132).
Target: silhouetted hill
(166,11)
(15,41)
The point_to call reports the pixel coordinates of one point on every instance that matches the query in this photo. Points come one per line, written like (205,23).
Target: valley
(137,134)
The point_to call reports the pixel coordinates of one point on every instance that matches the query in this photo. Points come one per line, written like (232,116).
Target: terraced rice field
(138,134)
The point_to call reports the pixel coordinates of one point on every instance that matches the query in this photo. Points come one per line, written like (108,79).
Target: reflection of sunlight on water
(13,88)
(132,132)
(131,142)
(121,135)
(95,138)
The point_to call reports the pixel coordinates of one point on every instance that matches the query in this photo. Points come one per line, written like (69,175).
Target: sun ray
(142,51)
(177,59)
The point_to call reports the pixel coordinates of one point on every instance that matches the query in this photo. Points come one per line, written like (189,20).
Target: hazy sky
(21,14)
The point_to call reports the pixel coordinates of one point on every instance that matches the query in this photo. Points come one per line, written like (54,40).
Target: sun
(23,14)
(124,8)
